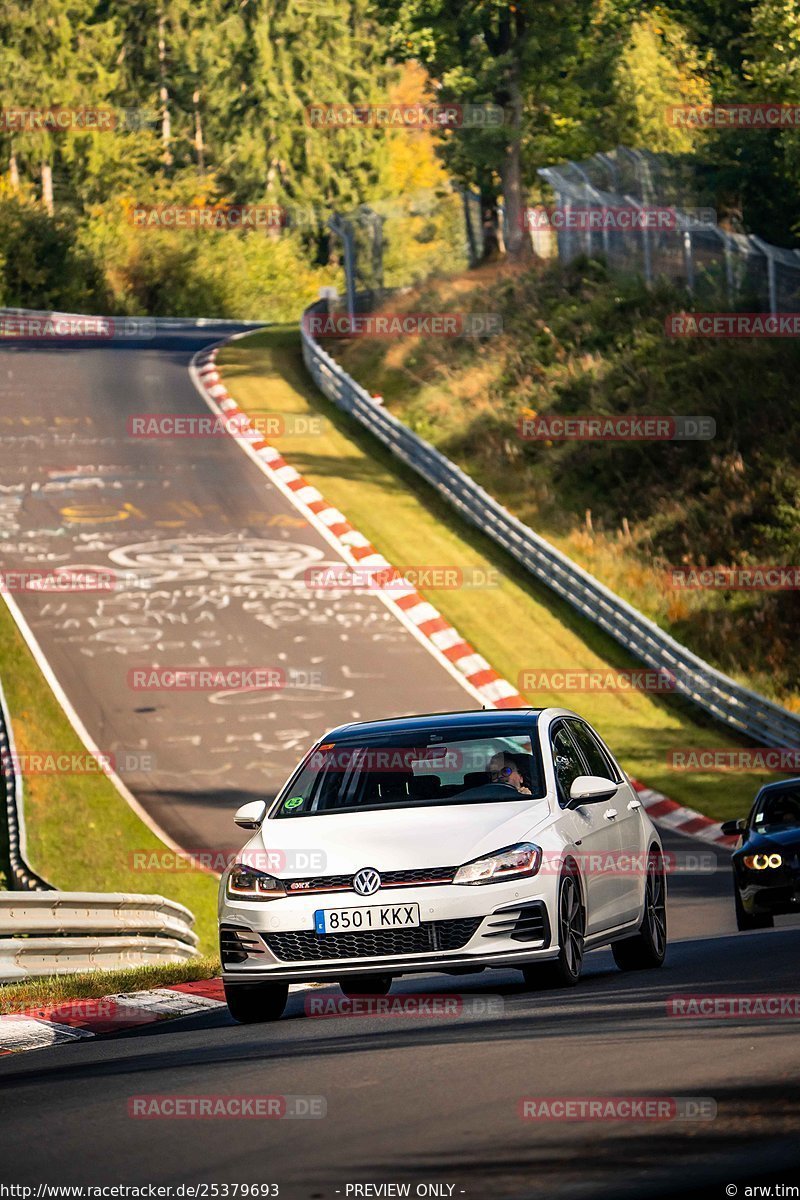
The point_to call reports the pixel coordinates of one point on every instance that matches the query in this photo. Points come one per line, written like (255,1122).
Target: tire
(564,971)
(646,949)
(252,1003)
(746,920)
(366,985)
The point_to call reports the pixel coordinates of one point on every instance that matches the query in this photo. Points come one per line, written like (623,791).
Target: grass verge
(93,985)
(577,341)
(81,832)
(516,624)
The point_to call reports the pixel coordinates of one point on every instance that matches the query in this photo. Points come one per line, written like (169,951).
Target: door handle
(634,804)
(610,814)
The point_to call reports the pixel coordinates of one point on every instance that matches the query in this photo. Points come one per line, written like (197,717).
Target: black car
(766,866)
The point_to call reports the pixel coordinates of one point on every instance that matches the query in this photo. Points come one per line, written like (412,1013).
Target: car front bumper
(779,897)
(462,928)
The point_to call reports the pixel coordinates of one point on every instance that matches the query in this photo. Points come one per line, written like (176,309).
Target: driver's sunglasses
(506,770)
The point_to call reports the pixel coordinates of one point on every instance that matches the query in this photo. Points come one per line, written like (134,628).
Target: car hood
(398,839)
(782,839)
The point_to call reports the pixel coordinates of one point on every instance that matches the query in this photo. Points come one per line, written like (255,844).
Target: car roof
(779,783)
(447,723)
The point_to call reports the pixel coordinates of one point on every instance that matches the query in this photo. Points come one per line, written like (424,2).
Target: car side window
(566,761)
(597,760)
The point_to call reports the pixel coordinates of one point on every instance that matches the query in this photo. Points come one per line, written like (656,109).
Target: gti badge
(366,881)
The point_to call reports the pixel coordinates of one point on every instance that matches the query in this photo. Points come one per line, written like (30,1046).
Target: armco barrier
(736,706)
(29,958)
(81,931)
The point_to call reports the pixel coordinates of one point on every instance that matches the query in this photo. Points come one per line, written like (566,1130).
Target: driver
(503,769)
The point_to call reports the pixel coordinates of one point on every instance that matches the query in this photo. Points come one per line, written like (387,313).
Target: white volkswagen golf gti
(449,842)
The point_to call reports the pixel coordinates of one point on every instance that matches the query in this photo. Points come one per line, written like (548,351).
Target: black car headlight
(248,883)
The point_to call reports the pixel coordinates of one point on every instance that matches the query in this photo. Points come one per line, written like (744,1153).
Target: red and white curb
(442,638)
(671,815)
(73,1020)
(414,611)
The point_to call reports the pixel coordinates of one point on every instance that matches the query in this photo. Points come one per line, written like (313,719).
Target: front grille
(304,945)
(344,883)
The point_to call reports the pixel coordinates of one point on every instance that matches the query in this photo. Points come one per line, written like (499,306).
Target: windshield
(415,770)
(779,809)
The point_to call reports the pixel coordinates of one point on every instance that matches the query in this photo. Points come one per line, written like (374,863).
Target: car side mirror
(250,815)
(733,828)
(591,789)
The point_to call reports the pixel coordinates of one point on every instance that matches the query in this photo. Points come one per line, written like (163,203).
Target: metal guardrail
(29,958)
(11,783)
(94,912)
(728,701)
(83,931)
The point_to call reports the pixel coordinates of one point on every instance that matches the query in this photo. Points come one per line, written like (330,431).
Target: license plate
(379,916)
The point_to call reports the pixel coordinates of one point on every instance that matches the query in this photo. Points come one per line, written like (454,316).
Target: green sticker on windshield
(295,802)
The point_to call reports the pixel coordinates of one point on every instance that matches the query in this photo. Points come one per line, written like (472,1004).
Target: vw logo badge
(366,881)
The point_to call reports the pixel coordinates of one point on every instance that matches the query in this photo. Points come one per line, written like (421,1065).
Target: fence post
(344,230)
(648,265)
(566,208)
(773,283)
(772,276)
(688,260)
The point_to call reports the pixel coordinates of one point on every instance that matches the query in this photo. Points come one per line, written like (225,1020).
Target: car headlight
(513,862)
(255,885)
(760,862)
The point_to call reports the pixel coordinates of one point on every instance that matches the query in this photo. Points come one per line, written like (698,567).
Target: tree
(659,68)
(55,56)
(491,53)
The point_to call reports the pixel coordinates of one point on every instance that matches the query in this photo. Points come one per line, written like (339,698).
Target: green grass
(81,832)
(577,341)
(93,985)
(515,625)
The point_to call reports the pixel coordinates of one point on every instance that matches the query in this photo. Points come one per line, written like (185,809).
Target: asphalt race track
(436,1100)
(415,1100)
(211,558)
